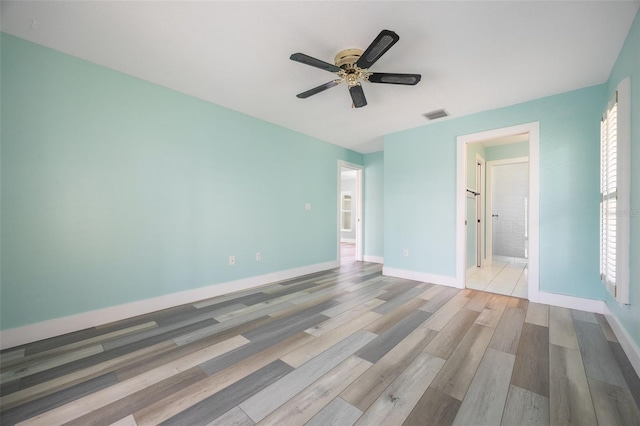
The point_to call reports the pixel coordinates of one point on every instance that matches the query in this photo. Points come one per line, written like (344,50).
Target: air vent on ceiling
(439,113)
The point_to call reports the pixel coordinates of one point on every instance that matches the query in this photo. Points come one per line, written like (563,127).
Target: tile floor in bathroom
(505,275)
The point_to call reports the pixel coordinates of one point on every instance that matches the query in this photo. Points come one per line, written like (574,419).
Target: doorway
(498,218)
(507,225)
(349,213)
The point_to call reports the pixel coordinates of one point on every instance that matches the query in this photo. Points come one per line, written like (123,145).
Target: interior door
(472,245)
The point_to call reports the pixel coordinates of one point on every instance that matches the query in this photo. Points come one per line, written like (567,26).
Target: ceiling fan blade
(357,95)
(380,45)
(391,78)
(308,60)
(318,89)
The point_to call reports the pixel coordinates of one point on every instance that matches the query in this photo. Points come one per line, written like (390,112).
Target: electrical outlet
(258,256)
(405,252)
(232,260)
(307,206)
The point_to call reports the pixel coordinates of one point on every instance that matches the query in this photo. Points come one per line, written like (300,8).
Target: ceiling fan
(352,66)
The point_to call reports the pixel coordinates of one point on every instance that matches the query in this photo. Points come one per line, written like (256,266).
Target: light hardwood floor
(341,347)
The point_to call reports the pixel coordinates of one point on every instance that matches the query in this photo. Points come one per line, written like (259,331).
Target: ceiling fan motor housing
(351,73)
(347,58)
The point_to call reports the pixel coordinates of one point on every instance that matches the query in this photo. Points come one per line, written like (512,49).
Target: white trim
(570,302)
(55,327)
(358,213)
(534,195)
(373,259)
(490,165)
(624,191)
(348,240)
(630,348)
(359,210)
(421,276)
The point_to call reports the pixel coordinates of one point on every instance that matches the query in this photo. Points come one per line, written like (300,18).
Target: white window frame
(615,189)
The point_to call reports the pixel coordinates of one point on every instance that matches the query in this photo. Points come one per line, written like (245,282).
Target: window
(614,194)
(345,211)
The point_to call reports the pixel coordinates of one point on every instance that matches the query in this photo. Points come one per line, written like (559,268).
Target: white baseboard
(55,327)
(571,302)
(630,348)
(421,276)
(373,259)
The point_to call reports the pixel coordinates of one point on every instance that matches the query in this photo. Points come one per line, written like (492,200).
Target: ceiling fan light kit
(352,66)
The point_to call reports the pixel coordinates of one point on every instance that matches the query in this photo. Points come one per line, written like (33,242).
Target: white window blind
(614,207)
(608,193)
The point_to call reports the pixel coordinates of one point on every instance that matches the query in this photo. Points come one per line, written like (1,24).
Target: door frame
(481,202)
(358,211)
(533,129)
(490,165)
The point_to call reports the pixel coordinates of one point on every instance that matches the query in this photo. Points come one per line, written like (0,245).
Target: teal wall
(373,204)
(628,64)
(503,152)
(116,190)
(420,190)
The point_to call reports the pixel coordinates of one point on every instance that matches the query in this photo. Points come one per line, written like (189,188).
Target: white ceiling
(473,56)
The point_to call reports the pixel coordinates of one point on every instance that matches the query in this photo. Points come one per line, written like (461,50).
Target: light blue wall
(628,64)
(373,204)
(420,190)
(503,152)
(115,189)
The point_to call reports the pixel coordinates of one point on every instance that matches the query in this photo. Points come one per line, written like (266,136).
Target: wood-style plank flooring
(341,347)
